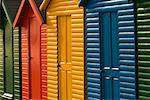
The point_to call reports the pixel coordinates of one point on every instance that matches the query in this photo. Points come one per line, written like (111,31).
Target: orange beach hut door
(34,56)
(31,81)
(64,57)
(30,20)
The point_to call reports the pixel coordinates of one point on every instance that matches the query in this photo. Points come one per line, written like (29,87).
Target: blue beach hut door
(110,50)
(109,55)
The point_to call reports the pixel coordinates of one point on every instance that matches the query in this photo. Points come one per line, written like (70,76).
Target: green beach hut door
(1,52)
(6,57)
(8,63)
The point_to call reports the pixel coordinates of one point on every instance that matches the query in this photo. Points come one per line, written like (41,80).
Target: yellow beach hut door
(64,57)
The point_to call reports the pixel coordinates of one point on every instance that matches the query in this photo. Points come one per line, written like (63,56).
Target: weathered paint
(32,50)
(61,14)
(143,28)
(110,49)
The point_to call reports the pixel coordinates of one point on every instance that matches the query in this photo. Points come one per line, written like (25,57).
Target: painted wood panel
(44,60)
(70,8)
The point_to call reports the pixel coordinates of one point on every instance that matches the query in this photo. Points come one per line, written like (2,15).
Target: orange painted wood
(35,69)
(44,60)
(25,58)
(31,56)
(33,51)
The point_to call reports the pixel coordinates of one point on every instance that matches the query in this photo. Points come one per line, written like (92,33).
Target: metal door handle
(115,69)
(107,78)
(115,78)
(107,68)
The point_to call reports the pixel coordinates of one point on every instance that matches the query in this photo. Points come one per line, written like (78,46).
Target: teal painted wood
(125,51)
(8,73)
(109,55)
(17,66)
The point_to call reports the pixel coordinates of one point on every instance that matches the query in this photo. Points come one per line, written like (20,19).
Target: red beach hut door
(31,71)
(34,56)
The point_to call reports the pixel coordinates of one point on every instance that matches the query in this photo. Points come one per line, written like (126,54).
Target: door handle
(107,78)
(115,78)
(115,69)
(106,68)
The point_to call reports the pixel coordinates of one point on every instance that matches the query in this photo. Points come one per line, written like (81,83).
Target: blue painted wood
(110,41)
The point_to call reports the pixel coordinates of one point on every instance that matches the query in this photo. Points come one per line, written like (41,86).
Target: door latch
(106,68)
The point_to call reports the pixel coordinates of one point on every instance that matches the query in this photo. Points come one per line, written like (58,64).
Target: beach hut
(110,53)
(143,35)
(33,50)
(9,52)
(65,49)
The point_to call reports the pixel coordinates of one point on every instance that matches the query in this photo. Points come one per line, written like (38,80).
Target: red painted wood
(25,58)
(35,58)
(31,53)
(22,8)
(44,61)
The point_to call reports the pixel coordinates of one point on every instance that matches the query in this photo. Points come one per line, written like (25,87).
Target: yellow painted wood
(65,46)
(64,55)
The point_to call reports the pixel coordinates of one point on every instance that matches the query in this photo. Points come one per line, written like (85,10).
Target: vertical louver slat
(143,33)
(93,55)
(1,63)
(25,61)
(17,67)
(77,53)
(44,61)
(126,34)
(52,76)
